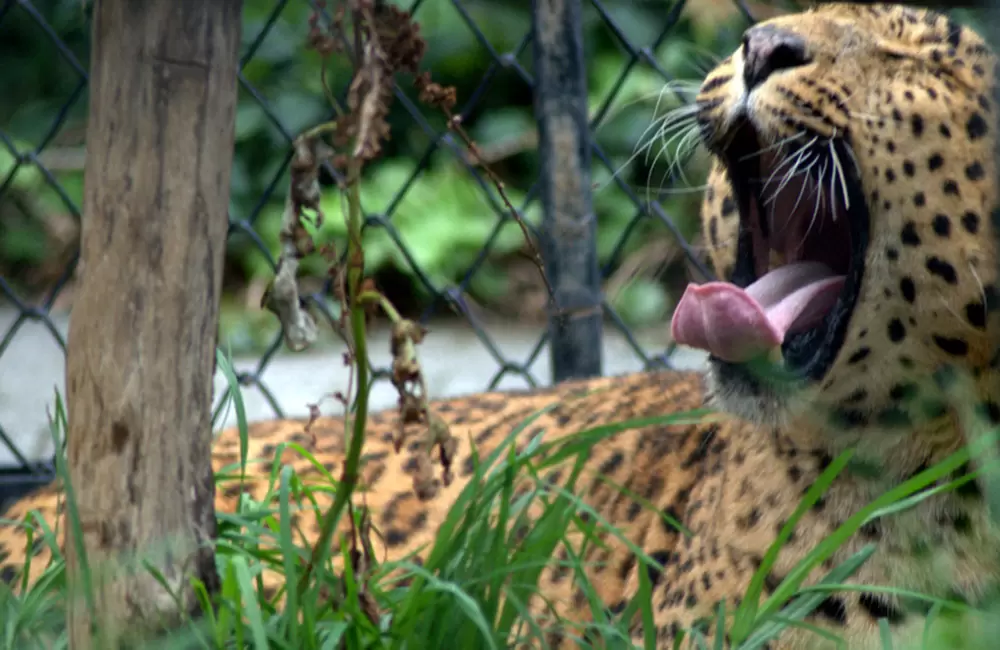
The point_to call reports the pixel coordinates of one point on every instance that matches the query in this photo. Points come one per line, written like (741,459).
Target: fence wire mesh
(633,51)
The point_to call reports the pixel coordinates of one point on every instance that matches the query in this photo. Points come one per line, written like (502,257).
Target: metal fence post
(569,226)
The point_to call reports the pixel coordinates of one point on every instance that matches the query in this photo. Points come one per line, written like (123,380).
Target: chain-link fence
(592,65)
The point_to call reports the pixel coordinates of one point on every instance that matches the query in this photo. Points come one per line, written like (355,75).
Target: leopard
(850,218)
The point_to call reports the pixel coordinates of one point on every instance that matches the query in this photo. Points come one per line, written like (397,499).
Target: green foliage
(445,216)
(22,239)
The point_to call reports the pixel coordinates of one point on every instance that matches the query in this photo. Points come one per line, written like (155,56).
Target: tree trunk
(143,328)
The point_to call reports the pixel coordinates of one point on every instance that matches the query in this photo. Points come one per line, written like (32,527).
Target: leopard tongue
(736,324)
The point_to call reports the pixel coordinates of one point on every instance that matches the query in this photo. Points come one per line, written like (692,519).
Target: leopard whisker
(788,160)
(839,170)
(772,147)
(796,159)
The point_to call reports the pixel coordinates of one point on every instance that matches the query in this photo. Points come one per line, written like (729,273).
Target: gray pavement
(454,361)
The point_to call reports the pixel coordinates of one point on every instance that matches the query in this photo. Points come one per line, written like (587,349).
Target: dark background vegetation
(442,217)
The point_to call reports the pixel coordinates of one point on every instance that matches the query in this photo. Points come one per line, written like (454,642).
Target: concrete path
(455,362)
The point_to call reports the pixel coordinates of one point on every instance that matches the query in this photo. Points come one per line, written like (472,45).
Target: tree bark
(144,323)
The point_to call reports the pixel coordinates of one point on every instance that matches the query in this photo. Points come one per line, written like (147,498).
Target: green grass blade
(224,364)
(839,537)
(747,611)
(289,556)
(766,629)
(885,635)
(249,600)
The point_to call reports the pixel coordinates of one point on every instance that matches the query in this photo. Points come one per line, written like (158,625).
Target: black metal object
(569,227)
(567,151)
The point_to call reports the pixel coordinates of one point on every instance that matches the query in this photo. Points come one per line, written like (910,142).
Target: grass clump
(472,588)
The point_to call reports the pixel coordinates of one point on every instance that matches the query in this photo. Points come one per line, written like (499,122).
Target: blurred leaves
(444,217)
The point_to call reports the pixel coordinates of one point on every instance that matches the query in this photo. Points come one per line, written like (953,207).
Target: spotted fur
(912,91)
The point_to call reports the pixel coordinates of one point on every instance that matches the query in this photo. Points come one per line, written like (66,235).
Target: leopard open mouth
(800,257)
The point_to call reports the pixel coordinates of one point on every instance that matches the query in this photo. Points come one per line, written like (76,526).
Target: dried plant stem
(383,40)
(283,296)
(455,124)
(327,91)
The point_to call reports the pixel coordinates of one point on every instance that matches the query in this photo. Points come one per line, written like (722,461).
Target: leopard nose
(767,49)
